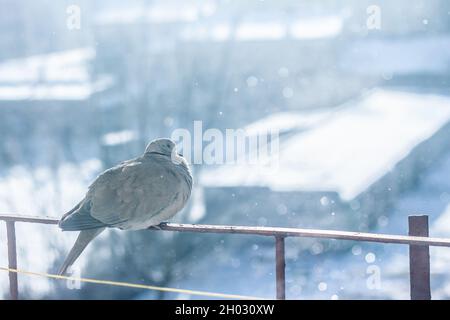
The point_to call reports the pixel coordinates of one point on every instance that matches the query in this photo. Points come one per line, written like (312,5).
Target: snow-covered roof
(54,76)
(348,151)
(412,55)
(284,122)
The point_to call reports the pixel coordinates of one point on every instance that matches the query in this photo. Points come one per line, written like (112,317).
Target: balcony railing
(417,240)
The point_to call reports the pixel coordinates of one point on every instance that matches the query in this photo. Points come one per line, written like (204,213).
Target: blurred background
(358,90)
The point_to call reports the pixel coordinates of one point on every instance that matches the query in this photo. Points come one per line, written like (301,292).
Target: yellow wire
(133,285)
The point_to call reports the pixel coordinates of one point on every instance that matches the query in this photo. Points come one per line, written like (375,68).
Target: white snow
(198,209)
(47,92)
(398,56)
(347,152)
(260,30)
(160,13)
(220,32)
(118,137)
(441,227)
(302,28)
(41,191)
(288,121)
(54,76)
(314,28)
(59,66)
(252,28)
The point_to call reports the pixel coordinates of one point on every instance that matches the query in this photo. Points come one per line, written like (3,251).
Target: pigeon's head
(162,146)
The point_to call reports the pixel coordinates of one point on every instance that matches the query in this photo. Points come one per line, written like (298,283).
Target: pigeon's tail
(83,240)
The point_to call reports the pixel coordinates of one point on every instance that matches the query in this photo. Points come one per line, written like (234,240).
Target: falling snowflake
(322,286)
(356,250)
(370,257)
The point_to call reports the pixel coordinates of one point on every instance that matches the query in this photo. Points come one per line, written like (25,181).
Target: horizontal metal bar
(307,233)
(30,219)
(270,231)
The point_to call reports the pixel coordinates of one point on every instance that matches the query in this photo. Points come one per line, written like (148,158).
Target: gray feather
(83,240)
(79,218)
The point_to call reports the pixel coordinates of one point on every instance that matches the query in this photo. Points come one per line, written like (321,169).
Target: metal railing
(418,241)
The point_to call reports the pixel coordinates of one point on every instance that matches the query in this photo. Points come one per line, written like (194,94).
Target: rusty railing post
(419,260)
(12,259)
(280,268)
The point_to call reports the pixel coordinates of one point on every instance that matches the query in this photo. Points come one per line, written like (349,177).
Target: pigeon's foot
(159,226)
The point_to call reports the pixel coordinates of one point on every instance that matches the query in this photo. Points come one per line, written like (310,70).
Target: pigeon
(136,194)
